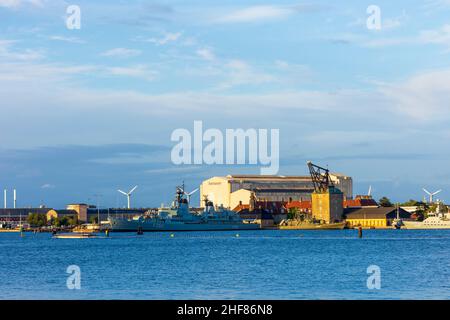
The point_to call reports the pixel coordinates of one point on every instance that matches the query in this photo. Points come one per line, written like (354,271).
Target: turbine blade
(131,191)
(437,192)
(192,192)
(426,191)
(123,192)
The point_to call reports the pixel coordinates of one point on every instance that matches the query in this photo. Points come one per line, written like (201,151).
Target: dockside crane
(320,178)
(326,200)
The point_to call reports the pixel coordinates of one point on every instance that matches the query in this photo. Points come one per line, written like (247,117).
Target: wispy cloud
(121,53)
(262,13)
(241,73)
(67,39)
(206,54)
(439,36)
(8,53)
(255,13)
(138,71)
(165,39)
(18,3)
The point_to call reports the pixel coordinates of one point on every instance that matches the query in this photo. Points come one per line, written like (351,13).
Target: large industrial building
(233,190)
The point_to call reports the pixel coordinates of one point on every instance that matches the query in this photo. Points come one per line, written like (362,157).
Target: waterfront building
(327,205)
(379,217)
(81,209)
(94,213)
(14,216)
(58,214)
(231,190)
(360,202)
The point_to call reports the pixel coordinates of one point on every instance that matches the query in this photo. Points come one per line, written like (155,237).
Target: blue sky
(88,111)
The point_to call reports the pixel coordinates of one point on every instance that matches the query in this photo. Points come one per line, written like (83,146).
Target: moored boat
(74,235)
(434,221)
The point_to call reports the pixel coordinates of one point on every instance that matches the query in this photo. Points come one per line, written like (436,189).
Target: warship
(180,217)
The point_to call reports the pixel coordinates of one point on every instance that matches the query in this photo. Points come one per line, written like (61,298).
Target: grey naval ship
(179,217)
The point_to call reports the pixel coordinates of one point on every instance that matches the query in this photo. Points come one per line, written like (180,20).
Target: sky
(87,111)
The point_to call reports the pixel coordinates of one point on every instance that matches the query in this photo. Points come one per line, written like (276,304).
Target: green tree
(37,219)
(292,213)
(55,222)
(385,202)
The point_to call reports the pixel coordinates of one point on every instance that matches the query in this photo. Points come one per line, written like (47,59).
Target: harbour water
(268,264)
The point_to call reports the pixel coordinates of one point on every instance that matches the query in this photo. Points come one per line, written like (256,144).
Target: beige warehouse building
(230,190)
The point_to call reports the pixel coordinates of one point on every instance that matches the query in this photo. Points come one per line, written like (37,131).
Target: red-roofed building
(360,202)
(301,206)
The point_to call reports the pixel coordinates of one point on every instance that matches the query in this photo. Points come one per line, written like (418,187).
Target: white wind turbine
(431,194)
(128,194)
(188,195)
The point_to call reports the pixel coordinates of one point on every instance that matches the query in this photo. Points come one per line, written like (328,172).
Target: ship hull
(133,226)
(421,225)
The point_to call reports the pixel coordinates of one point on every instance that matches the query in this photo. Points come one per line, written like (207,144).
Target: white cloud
(423,97)
(139,71)
(10,3)
(440,36)
(239,72)
(53,102)
(67,39)
(7,53)
(18,3)
(167,38)
(437,36)
(121,53)
(256,13)
(206,54)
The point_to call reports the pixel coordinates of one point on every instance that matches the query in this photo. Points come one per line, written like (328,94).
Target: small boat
(74,235)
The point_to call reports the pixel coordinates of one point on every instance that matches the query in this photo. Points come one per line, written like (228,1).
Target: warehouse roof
(22,211)
(357,203)
(250,177)
(65,212)
(375,213)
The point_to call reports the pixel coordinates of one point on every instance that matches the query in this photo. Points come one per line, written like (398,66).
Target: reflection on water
(298,264)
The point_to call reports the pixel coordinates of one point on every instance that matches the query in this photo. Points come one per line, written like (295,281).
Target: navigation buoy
(237,235)
(172,235)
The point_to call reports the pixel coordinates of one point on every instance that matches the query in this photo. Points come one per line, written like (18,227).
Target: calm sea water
(415,264)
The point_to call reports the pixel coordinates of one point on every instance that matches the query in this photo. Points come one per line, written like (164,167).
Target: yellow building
(81,209)
(328,206)
(380,217)
(53,214)
(234,189)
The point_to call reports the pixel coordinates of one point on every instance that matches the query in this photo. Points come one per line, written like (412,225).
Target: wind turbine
(188,195)
(128,194)
(431,194)
(369,193)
